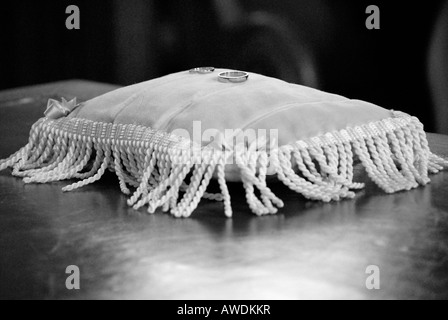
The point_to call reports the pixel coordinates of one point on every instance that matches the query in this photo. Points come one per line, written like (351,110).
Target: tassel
(153,167)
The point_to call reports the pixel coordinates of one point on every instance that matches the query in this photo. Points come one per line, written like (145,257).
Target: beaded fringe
(157,166)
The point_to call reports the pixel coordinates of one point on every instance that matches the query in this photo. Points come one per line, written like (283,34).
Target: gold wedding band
(202,70)
(233,76)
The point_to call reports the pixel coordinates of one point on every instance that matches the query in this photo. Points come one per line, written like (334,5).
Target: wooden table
(309,250)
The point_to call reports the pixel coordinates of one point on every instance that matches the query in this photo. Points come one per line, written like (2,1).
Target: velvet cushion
(146,133)
(175,101)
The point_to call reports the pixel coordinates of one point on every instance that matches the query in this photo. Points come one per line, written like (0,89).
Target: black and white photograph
(223,155)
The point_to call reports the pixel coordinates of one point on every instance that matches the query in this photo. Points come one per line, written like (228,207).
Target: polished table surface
(310,250)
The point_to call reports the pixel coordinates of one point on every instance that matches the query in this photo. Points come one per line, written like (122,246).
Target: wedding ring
(202,70)
(233,76)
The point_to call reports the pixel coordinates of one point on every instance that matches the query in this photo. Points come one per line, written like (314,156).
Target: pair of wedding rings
(227,76)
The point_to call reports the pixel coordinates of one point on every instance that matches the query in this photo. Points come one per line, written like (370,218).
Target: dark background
(320,43)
